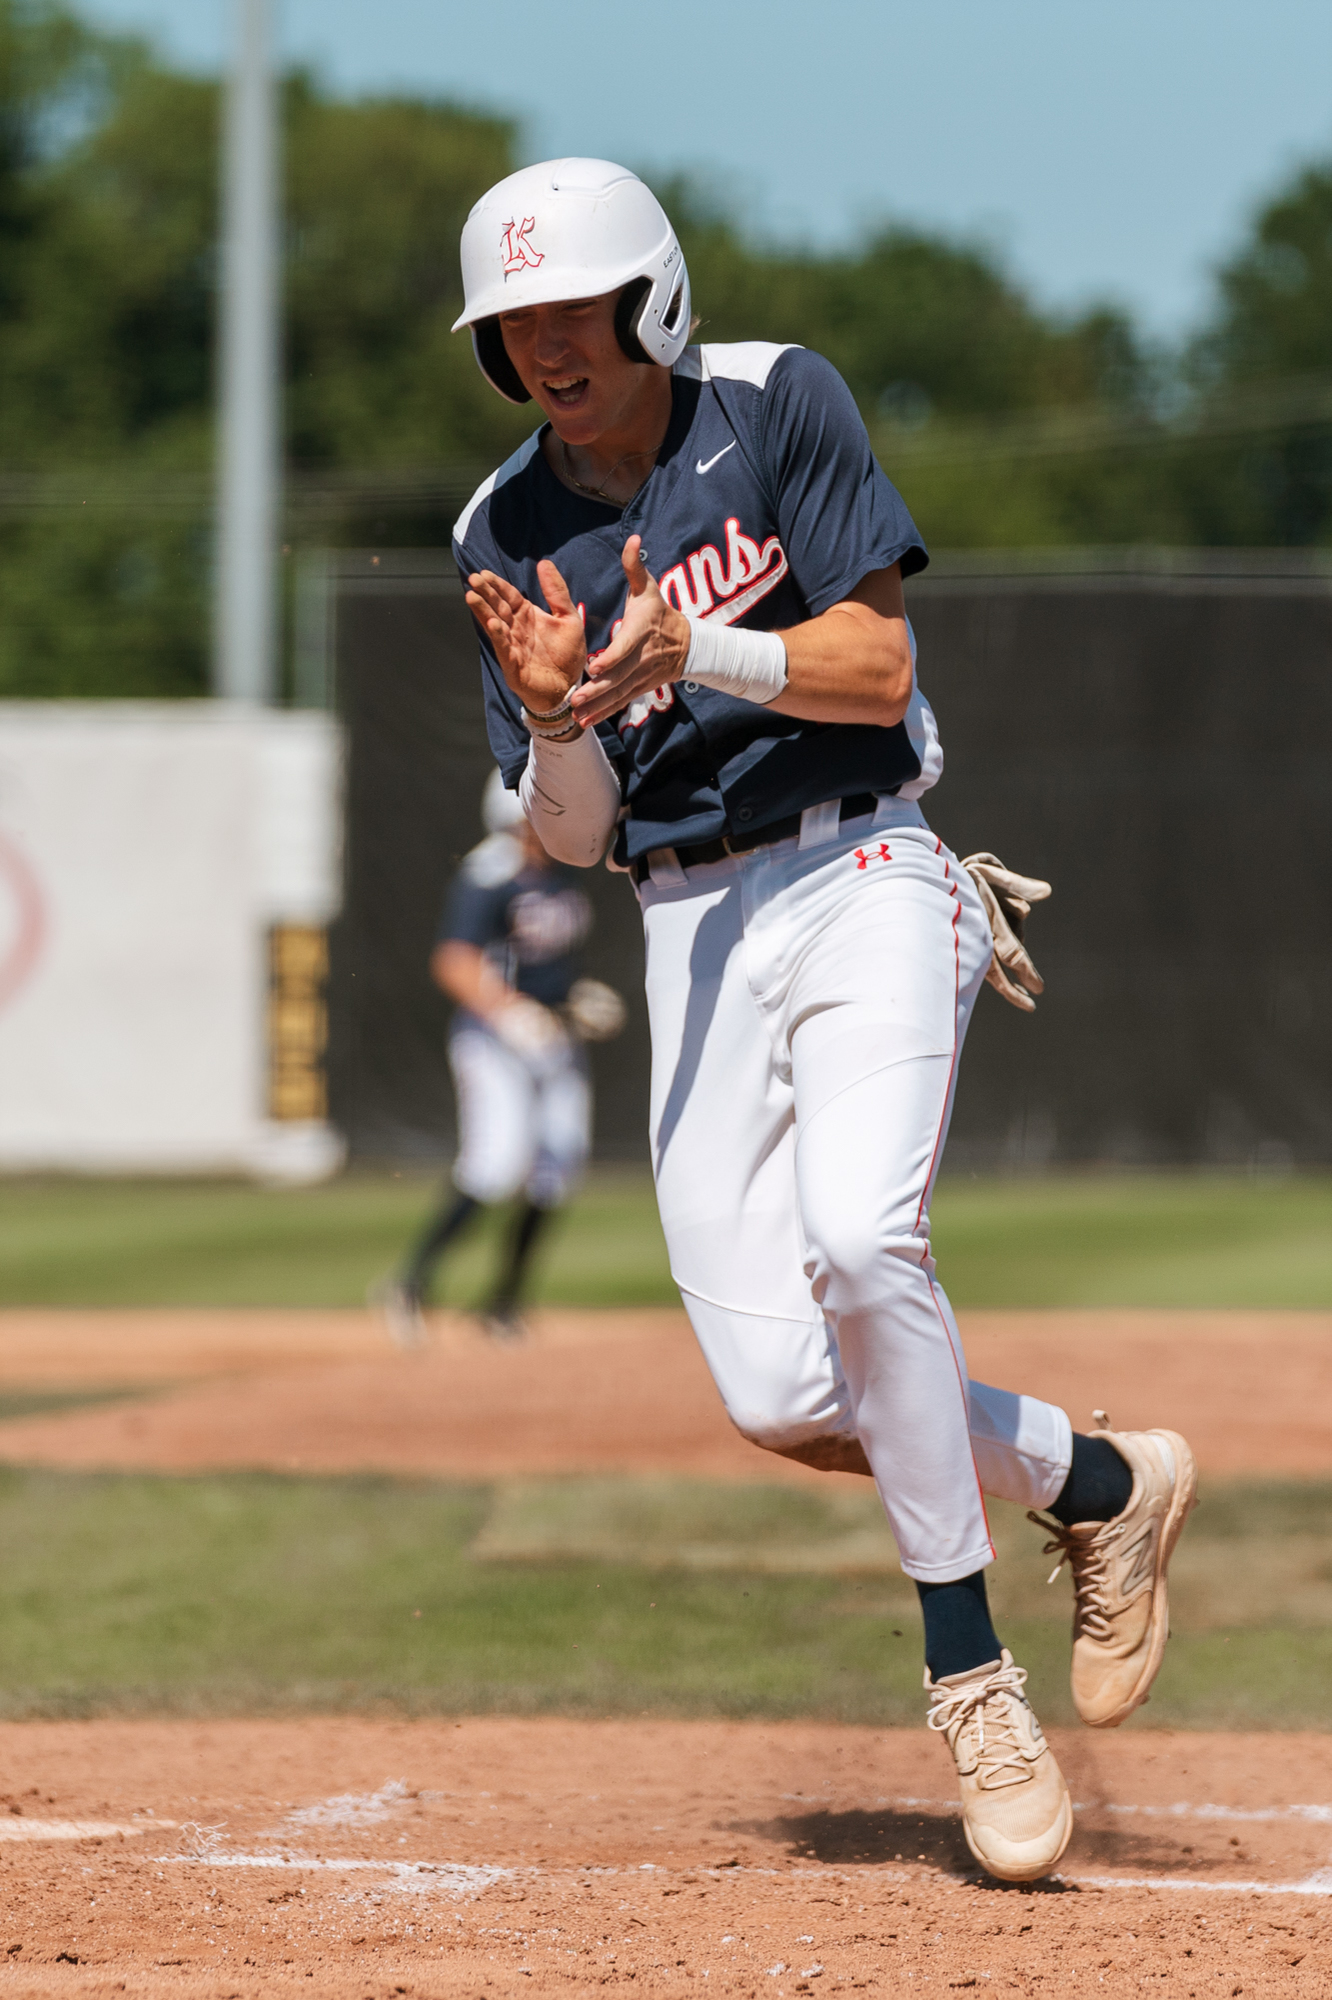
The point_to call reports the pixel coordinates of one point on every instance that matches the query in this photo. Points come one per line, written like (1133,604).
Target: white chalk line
(461,1879)
(354,1809)
(1317,1815)
(28,1830)
(358,1809)
(1319,1884)
(1313,1814)
(457,1877)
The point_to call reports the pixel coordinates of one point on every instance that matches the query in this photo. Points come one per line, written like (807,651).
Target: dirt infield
(616,1390)
(359,1858)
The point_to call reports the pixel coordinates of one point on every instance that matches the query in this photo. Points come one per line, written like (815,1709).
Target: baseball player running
(506,956)
(688,585)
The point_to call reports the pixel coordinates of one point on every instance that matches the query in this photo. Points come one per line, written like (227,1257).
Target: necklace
(599,492)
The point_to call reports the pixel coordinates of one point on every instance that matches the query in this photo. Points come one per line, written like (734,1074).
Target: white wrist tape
(749,664)
(571,797)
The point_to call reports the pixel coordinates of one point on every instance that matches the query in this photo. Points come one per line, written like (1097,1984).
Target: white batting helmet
(573,229)
(500,808)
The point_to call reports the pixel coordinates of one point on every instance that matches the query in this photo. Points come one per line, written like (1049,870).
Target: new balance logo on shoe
(1139,1563)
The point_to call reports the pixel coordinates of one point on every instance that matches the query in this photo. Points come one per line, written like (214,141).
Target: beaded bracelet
(559,714)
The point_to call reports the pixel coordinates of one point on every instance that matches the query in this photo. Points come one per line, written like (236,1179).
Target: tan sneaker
(1121,1617)
(1016,1811)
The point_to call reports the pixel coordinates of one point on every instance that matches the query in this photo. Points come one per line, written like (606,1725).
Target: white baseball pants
(521,1125)
(808,1002)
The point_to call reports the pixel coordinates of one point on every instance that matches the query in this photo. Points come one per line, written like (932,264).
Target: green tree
(1003,424)
(1276,294)
(377,193)
(916,324)
(121,295)
(50,70)
(1272,331)
(107,349)
(940,347)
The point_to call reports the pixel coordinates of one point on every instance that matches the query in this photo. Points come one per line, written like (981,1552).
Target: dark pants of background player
(444,1229)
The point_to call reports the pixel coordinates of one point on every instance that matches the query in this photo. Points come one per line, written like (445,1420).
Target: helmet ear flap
(493,360)
(627,309)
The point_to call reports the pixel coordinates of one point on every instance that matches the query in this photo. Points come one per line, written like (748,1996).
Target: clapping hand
(648,651)
(542,654)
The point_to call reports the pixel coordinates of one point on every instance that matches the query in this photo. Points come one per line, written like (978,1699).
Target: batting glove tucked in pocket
(1008,899)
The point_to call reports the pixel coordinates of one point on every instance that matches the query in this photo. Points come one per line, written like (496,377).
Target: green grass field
(1185,1239)
(251,1595)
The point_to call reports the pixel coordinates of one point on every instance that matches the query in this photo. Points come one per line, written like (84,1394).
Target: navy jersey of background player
(528,921)
(765,507)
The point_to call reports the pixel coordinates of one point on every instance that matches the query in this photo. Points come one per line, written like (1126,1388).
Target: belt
(855,807)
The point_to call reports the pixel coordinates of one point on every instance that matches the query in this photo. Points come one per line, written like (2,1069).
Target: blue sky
(1108,151)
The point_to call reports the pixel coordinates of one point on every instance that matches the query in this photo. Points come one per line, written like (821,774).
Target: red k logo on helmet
(517,252)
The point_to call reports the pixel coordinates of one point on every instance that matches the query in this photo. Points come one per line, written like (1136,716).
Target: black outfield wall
(408,689)
(1151,732)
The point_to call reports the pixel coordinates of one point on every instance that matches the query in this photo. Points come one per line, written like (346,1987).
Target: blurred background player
(507,957)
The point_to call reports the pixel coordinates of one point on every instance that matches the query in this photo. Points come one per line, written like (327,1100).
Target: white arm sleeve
(571,797)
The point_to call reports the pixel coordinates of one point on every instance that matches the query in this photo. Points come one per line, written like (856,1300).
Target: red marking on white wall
(22,924)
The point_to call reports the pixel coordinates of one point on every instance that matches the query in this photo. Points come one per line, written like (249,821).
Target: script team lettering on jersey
(708,584)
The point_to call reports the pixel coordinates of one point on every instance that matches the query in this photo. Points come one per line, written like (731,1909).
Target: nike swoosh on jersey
(707,466)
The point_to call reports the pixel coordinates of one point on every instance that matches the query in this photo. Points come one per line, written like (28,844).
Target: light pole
(246,612)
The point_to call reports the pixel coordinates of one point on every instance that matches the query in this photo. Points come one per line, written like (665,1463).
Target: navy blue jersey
(528,921)
(765,507)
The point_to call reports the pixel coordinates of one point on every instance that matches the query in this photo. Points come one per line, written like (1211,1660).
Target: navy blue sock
(958,1632)
(1099,1483)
